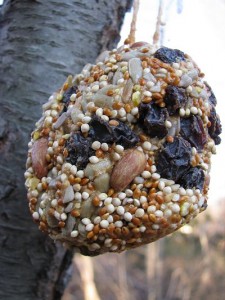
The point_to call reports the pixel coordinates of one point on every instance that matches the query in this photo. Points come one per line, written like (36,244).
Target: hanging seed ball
(121,155)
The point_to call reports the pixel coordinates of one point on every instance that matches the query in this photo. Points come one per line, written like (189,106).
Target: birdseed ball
(123,150)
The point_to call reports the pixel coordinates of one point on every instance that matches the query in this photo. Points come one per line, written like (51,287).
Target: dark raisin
(175,98)
(212,97)
(192,130)
(101,131)
(124,135)
(152,119)
(66,97)
(168,55)
(216,128)
(174,160)
(79,150)
(194,177)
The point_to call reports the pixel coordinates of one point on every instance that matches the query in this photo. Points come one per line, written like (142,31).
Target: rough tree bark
(41,42)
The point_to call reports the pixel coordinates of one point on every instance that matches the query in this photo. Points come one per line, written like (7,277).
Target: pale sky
(197,28)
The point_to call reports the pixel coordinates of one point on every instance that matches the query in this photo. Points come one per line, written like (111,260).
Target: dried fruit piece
(106,132)
(193,131)
(66,97)
(216,128)
(124,135)
(212,97)
(79,149)
(100,130)
(175,98)
(168,55)
(132,164)
(152,118)
(38,154)
(174,160)
(194,177)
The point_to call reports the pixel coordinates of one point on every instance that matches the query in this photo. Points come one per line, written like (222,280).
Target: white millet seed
(89,227)
(128,216)
(139,212)
(74,233)
(94,159)
(85,128)
(96,145)
(35,215)
(104,147)
(120,210)
(85,195)
(104,223)
(146,146)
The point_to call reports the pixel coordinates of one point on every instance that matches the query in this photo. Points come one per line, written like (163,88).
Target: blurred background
(189,264)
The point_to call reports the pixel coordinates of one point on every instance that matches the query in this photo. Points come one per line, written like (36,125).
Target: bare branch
(85,266)
(131,38)
(156,36)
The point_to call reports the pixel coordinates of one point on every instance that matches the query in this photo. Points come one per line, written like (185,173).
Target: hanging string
(159,23)
(131,37)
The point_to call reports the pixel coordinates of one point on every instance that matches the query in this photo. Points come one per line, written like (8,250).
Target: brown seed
(118,57)
(77,180)
(48,157)
(144,50)
(116,218)
(61,224)
(102,211)
(45,131)
(132,164)
(38,155)
(107,112)
(126,75)
(110,93)
(117,105)
(137,193)
(117,231)
(169,139)
(148,183)
(175,218)
(42,226)
(145,205)
(91,79)
(33,200)
(96,229)
(136,221)
(159,199)
(157,96)
(90,235)
(142,81)
(125,231)
(131,241)
(144,64)
(65,152)
(44,185)
(75,213)
(110,192)
(145,218)
(99,153)
(147,100)
(113,123)
(61,142)
(96,201)
(127,108)
(84,181)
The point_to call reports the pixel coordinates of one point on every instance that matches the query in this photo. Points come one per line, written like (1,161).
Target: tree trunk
(41,42)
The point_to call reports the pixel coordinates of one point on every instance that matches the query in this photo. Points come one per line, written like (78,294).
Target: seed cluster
(121,155)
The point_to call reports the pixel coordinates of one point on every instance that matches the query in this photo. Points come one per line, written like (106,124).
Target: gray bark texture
(41,43)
